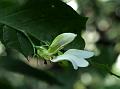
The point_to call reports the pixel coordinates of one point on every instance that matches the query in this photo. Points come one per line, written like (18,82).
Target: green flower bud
(43,52)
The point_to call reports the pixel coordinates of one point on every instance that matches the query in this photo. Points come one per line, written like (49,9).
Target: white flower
(60,41)
(76,57)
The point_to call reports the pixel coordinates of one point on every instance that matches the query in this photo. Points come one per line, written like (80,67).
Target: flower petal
(78,61)
(80,53)
(60,41)
(66,57)
(81,62)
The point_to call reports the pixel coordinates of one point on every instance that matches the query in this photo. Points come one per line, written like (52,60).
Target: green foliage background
(24,23)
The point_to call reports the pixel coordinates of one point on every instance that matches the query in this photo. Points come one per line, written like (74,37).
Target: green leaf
(10,38)
(16,65)
(1,31)
(43,19)
(17,40)
(65,77)
(5,84)
(26,46)
(107,56)
(104,62)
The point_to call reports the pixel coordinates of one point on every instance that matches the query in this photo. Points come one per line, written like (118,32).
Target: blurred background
(102,35)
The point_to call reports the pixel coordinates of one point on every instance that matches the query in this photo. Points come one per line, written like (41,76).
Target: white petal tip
(53,60)
(75,68)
